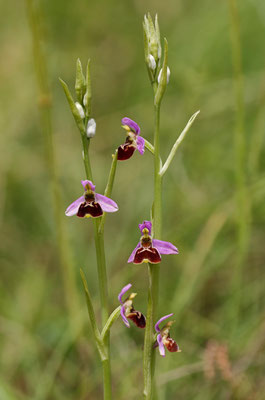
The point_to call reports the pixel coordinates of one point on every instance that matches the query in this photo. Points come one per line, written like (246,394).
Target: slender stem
(86,143)
(242,195)
(45,106)
(109,186)
(102,277)
(153,272)
(158,179)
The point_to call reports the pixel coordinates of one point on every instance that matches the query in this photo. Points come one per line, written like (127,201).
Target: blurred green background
(216,290)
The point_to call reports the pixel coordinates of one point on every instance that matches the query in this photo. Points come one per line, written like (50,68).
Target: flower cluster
(148,250)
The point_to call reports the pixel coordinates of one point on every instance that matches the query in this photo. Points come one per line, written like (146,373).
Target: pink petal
(161,320)
(131,258)
(84,183)
(125,320)
(124,290)
(140,144)
(106,204)
(74,207)
(164,247)
(161,345)
(132,124)
(147,225)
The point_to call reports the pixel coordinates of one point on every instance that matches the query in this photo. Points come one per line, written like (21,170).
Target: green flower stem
(153,272)
(158,179)
(85,144)
(102,277)
(45,107)
(109,186)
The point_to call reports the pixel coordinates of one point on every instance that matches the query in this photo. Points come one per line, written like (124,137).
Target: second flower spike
(149,250)
(133,140)
(91,204)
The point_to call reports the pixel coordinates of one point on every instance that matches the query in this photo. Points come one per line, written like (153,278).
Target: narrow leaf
(112,318)
(177,143)
(79,121)
(91,313)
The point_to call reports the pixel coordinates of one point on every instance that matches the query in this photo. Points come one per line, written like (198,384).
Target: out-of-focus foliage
(220,325)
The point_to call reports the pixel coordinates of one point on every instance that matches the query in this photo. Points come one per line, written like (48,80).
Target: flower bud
(159,75)
(151,62)
(80,83)
(80,109)
(152,39)
(87,96)
(91,128)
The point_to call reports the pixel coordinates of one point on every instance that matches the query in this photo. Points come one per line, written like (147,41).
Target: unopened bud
(160,72)
(80,83)
(151,62)
(80,110)
(91,128)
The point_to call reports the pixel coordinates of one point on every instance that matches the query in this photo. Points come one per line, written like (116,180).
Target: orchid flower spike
(91,204)
(149,250)
(163,337)
(133,140)
(128,311)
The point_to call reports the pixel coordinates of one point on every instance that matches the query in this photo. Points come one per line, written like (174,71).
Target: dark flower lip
(171,345)
(93,209)
(147,255)
(137,318)
(125,151)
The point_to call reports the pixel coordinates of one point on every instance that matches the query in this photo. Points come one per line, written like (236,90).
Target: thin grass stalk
(242,194)
(45,107)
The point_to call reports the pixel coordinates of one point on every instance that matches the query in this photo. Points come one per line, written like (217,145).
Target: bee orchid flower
(128,311)
(133,140)
(149,250)
(163,337)
(91,204)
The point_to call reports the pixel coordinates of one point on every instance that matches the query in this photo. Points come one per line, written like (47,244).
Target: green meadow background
(216,285)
